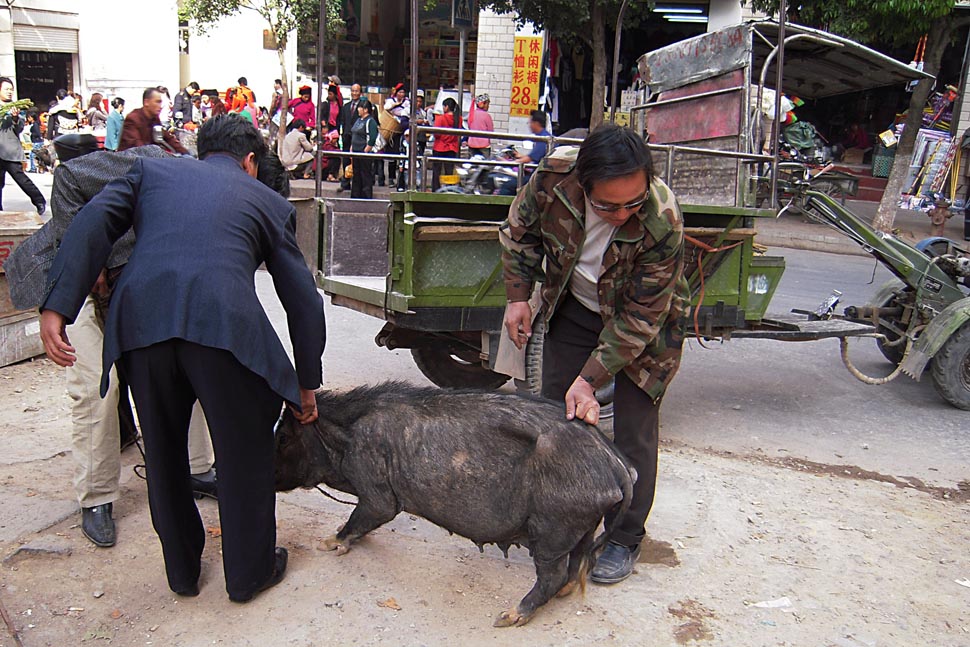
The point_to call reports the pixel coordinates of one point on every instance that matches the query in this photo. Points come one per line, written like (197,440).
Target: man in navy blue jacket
(185,323)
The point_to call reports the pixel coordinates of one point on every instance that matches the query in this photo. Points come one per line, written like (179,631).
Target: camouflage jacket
(643,294)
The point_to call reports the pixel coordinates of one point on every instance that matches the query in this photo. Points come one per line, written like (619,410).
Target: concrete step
(868,194)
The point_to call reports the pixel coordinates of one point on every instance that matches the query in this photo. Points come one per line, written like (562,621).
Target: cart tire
(950,369)
(451,371)
(533,376)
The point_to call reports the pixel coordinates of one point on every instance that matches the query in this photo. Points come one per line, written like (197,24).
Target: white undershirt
(589,266)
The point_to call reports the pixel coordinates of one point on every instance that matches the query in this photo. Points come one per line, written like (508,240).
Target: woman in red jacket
(445,145)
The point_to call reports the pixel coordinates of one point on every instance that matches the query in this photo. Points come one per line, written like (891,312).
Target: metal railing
(671,151)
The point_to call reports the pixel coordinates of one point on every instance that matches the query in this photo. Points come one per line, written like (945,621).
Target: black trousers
(166,379)
(362,184)
(441,168)
(16,171)
(569,341)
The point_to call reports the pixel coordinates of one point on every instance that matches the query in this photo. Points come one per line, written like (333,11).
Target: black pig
(492,467)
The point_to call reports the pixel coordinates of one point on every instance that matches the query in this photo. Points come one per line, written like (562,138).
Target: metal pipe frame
(321,41)
(689,97)
(413,149)
(779,77)
(434,130)
(616,59)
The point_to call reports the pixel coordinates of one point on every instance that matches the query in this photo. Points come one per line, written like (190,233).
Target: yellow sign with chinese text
(526,69)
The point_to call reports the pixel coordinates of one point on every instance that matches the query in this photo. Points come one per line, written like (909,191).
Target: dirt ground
(744,550)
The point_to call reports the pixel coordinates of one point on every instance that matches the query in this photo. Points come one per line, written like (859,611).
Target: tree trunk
(937,40)
(284,102)
(599,63)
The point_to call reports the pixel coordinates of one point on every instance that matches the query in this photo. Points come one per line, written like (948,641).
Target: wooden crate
(19,329)
(20,337)
(15,227)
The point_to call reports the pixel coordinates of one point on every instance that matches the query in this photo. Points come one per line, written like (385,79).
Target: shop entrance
(41,74)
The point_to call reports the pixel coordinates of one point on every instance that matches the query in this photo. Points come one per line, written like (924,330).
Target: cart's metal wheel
(455,369)
(950,369)
(832,189)
(889,292)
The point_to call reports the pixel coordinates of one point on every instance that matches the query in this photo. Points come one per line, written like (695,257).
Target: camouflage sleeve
(521,240)
(643,308)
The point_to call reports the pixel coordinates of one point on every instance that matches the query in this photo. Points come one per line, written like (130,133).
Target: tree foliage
(894,22)
(282,16)
(577,21)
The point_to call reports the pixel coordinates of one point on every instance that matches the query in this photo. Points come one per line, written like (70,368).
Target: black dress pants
(570,340)
(16,171)
(362,184)
(240,408)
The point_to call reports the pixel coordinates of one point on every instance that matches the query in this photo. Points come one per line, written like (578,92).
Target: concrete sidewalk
(798,231)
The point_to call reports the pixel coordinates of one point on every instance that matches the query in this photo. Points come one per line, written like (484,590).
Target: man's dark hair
(296,124)
(610,152)
(272,173)
(232,134)
(5,79)
(539,117)
(117,101)
(194,86)
(147,94)
(242,81)
(60,94)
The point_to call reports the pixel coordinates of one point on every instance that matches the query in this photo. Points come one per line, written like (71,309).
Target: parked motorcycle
(475,178)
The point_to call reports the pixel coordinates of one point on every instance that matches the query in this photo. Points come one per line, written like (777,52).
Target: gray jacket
(11,150)
(75,183)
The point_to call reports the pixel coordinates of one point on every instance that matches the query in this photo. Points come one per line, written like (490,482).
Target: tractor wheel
(451,369)
(950,369)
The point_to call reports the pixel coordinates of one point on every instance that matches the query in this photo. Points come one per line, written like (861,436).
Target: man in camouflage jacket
(606,238)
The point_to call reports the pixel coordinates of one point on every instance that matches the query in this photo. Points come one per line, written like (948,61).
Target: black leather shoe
(204,484)
(98,526)
(615,563)
(279,570)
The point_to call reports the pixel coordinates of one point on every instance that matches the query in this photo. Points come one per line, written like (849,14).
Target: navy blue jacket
(201,231)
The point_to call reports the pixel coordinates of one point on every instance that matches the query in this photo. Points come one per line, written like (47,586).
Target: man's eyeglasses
(613,208)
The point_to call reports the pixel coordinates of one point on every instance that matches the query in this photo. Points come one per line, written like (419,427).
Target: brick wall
(493,69)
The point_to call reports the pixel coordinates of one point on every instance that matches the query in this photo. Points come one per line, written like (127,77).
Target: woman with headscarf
(302,107)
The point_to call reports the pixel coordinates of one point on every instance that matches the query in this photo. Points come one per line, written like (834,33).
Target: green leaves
(897,22)
(282,16)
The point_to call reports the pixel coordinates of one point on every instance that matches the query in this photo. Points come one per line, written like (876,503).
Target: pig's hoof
(332,543)
(568,589)
(511,618)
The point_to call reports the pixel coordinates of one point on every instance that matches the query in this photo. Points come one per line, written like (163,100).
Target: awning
(814,70)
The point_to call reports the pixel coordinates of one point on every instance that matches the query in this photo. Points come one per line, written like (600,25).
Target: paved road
(798,399)
(785,399)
